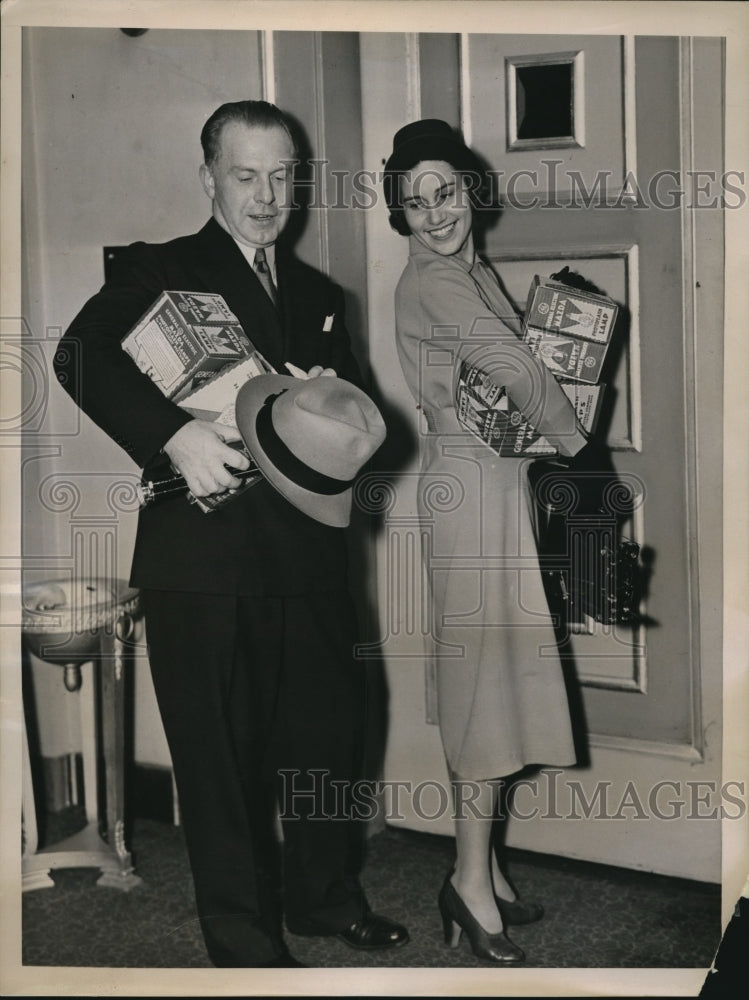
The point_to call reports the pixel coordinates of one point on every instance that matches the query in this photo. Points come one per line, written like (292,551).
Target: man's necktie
(263,272)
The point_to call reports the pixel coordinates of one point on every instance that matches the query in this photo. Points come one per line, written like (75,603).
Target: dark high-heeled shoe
(456,918)
(518,911)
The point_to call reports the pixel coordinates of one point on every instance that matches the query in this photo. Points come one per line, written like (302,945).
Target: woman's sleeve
(451,303)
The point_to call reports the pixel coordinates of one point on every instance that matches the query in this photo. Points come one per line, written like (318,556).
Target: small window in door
(545,101)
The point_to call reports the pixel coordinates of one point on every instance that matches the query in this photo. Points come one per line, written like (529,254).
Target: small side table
(69,623)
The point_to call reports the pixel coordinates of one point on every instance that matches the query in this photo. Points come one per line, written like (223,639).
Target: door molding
(267,67)
(653,748)
(688,285)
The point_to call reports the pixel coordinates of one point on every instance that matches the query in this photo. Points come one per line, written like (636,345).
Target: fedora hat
(310,438)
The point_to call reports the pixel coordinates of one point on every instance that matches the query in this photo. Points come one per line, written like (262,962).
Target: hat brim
(332,510)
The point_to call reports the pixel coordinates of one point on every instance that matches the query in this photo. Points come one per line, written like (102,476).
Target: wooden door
(601,194)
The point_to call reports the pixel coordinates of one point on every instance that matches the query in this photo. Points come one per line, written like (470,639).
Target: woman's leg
(472,879)
(502,887)
(512,909)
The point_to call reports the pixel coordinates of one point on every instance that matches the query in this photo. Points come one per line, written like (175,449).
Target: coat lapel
(299,299)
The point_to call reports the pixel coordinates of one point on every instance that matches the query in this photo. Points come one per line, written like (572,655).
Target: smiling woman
(502,701)
(437,208)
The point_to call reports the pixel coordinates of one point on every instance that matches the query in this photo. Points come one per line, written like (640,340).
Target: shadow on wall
(397,451)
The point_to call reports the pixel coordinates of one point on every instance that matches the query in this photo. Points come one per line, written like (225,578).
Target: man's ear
(206,179)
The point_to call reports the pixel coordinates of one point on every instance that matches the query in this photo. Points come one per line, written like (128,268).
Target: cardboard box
(184,339)
(488,412)
(569,330)
(558,308)
(216,398)
(568,357)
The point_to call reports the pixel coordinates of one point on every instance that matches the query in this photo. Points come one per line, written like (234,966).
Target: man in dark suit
(249,622)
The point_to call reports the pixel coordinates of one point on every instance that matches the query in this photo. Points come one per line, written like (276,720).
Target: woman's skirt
(501,693)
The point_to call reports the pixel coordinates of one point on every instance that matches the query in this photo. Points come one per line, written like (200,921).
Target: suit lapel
(298,298)
(220,264)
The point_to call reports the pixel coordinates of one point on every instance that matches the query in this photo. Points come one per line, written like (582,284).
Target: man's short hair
(254,114)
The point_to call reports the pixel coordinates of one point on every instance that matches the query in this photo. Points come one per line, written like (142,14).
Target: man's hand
(199,453)
(318,370)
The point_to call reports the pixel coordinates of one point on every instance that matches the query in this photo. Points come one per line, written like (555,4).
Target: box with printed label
(184,339)
(215,399)
(489,413)
(558,308)
(566,356)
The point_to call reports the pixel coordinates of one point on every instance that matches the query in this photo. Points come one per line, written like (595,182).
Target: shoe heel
(456,918)
(452,931)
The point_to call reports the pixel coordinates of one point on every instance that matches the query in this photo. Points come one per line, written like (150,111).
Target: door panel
(660,707)
(598,129)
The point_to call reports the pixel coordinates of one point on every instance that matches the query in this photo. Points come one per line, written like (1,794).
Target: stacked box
(568,329)
(570,332)
(216,398)
(566,356)
(184,339)
(193,347)
(557,308)
(489,413)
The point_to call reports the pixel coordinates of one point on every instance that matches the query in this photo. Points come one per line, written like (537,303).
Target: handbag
(589,570)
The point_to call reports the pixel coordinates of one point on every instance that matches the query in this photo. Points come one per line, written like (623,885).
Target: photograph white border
(625,18)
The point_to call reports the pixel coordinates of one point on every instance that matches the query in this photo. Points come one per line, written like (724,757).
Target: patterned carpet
(596,916)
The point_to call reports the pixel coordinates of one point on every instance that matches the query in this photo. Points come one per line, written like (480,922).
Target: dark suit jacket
(259,544)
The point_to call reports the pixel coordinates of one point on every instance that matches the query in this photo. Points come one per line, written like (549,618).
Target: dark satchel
(589,569)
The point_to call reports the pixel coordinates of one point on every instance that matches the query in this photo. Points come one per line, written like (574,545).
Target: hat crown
(426,128)
(429,139)
(333,427)
(310,438)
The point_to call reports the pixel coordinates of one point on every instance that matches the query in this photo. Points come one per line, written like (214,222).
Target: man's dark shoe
(374,933)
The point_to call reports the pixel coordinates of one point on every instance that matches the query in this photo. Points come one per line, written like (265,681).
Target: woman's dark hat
(310,438)
(429,139)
